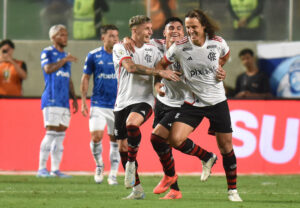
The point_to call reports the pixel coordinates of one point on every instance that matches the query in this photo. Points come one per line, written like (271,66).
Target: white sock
(114,157)
(57,149)
(45,148)
(96,149)
(138,188)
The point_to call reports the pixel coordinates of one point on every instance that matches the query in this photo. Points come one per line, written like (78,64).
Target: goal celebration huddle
(179,79)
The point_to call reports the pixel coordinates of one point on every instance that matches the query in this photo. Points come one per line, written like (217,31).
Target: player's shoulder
(217,39)
(96,50)
(160,42)
(119,44)
(183,41)
(48,49)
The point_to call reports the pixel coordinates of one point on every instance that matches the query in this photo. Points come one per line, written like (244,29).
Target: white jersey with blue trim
(174,91)
(56,92)
(100,63)
(134,88)
(199,65)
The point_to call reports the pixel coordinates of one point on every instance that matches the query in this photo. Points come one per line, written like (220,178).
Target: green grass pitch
(81,192)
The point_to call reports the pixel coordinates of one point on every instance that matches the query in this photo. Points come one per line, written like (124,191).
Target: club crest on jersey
(148,54)
(176,66)
(148,58)
(212,56)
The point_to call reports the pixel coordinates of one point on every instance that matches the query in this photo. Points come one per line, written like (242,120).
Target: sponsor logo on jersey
(212,56)
(204,71)
(187,49)
(107,76)
(62,74)
(177,115)
(211,46)
(100,62)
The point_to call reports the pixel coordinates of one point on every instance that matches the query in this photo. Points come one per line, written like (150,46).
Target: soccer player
(170,96)
(135,99)
(56,66)
(99,63)
(200,55)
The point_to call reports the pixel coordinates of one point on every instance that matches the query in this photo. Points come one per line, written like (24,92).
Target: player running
(56,66)
(200,55)
(135,99)
(99,63)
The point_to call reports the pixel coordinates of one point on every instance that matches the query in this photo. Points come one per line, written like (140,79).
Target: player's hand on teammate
(158,88)
(84,109)
(129,44)
(170,75)
(221,73)
(75,106)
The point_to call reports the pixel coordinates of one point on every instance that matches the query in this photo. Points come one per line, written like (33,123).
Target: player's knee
(176,140)
(96,137)
(123,147)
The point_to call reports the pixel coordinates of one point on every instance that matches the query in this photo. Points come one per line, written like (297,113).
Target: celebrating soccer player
(135,99)
(200,55)
(99,63)
(56,66)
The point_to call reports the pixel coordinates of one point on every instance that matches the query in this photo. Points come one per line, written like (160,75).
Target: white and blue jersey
(100,63)
(56,92)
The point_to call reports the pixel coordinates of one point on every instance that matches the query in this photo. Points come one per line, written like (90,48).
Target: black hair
(105,28)
(246,51)
(7,42)
(173,19)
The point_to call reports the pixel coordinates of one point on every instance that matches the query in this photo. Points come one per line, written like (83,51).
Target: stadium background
(271,129)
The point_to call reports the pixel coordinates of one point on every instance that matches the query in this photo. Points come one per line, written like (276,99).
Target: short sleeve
(224,48)
(45,58)
(120,53)
(89,64)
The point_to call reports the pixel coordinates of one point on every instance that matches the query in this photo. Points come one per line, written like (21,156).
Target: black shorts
(121,116)
(218,116)
(164,115)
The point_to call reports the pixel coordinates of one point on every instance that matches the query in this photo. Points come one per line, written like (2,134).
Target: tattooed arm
(131,67)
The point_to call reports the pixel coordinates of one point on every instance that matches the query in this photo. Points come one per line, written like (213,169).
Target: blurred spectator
(56,12)
(12,71)
(248,23)
(87,16)
(160,11)
(252,83)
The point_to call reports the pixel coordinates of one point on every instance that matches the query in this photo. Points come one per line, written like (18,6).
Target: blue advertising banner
(281,61)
